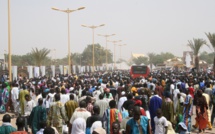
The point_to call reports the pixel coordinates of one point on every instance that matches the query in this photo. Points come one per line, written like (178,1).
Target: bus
(139,71)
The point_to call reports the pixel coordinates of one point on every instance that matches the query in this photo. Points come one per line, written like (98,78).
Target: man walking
(37,115)
(57,114)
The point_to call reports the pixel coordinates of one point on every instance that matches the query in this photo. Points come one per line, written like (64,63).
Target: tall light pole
(120,52)
(9,44)
(106,40)
(68,11)
(93,28)
(114,43)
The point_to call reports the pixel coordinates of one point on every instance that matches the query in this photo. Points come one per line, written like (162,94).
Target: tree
(99,53)
(211,38)
(140,60)
(151,59)
(195,46)
(206,57)
(39,55)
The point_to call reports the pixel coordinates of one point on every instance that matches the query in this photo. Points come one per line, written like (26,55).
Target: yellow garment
(22,94)
(163,83)
(133,89)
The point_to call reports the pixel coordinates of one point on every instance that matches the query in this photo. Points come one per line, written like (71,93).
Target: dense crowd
(109,103)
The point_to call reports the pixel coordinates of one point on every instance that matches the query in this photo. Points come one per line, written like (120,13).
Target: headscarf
(96,124)
(79,126)
(100,131)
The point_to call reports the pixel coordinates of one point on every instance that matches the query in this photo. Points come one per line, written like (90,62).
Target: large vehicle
(139,71)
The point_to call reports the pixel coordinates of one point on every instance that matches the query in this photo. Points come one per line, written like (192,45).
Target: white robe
(121,101)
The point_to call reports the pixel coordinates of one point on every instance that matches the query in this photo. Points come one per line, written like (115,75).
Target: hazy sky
(144,25)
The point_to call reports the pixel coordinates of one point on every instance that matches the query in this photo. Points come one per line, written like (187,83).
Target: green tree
(99,53)
(211,38)
(140,60)
(39,56)
(195,46)
(152,57)
(206,57)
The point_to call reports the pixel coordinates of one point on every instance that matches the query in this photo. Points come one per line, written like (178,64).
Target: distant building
(174,62)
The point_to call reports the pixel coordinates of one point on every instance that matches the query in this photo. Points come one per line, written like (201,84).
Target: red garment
(191,90)
(142,111)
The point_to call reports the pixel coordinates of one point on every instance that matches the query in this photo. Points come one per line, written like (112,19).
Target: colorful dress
(56,116)
(187,113)
(5,99)
(201,112)
(110,116)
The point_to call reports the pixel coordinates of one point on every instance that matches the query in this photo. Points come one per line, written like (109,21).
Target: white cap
(123,93)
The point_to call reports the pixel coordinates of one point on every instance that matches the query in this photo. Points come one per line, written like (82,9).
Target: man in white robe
(15,97)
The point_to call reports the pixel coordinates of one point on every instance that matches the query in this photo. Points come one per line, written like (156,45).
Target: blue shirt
(134,125)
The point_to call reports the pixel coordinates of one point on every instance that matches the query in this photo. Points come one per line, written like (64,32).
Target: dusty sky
(144,25)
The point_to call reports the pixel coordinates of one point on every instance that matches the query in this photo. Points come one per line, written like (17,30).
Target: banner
(53,70)
(43,70)
(36,71)
(65,70)
(30,71)
(14,72)
(61,69)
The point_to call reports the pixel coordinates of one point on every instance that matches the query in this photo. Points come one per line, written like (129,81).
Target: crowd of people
(109,103)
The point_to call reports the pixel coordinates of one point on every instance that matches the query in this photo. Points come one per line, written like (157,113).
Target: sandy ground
(194,131)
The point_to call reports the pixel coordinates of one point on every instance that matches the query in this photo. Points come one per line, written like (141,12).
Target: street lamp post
(114,43)
(93,28)
(68,11)
(9,44)
(106,40)
(120,52)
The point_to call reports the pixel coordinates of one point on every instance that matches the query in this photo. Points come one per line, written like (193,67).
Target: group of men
(112,103)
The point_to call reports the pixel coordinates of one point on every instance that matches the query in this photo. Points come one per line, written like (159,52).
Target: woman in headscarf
(201,111)
(97,124)
(5,98)
(79,126)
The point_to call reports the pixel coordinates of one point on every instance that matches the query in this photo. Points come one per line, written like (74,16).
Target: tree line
(196,45)
(39,57)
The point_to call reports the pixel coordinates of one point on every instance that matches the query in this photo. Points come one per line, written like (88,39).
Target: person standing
(20,123)
(122,99)
(15,97)
(80,112)
(6,127)
(154,103)
(125,120)
(29,105)
(160,123)
(138,124)
(115,128)
(102,103)
(70,106)
(37,115)
(22,94)
(167,108)
(201,111)
(111,115)
(95,117)
(5,98)
(57,114)
(187,112)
